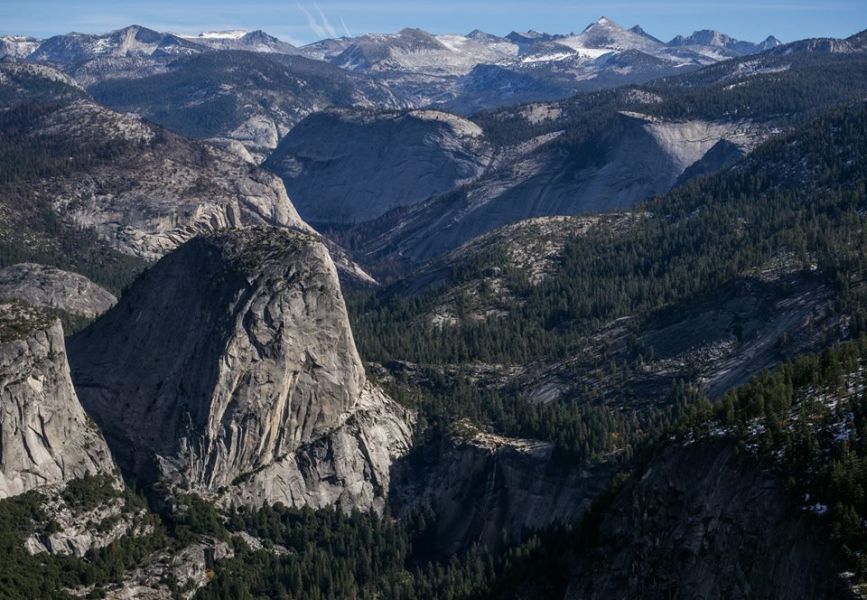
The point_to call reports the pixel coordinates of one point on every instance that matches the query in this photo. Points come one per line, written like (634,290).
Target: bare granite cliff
(229,369)
(50,287)
(347,166)
(488,490)
(45,436)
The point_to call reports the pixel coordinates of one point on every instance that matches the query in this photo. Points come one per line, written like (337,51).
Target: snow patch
(234,34)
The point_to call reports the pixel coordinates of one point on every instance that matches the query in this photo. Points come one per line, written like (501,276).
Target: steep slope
(702,522)
(756,496)
(241,360)
(49,287)
(142,189)
(251,41)
(248,97)
(633,157)
(45,436)
(127,42)
(609,150)
(488,490)
(344,167)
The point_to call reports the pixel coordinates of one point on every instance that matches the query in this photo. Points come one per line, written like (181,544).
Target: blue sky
(302,21)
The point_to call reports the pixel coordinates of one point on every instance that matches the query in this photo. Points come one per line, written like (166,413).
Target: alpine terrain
(414,315)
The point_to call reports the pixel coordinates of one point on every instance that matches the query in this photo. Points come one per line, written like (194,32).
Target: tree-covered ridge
(325,555)
(30,228)
(808,419)
(777,90)
(800,195)
(27,84)
(24,576)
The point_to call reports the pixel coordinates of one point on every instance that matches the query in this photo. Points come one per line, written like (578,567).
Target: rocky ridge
(50,287)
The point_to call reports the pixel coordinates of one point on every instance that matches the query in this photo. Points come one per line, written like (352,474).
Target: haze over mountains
(433,316)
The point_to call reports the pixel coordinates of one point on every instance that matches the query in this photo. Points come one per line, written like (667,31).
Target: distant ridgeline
(653,401)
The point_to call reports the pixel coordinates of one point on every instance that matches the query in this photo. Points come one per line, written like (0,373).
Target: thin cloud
(314,25)
(332,32)
(345,28)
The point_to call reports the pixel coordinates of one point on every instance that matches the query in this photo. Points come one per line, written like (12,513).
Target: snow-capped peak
(606,34)
(604,22)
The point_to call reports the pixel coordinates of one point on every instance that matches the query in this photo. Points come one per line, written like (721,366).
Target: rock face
(140,187)
(702,522)
(45,436)
(127,42)
(345,167)
(188,568)
(72,528)
(49,287)
(230,369)
(488,489)
(635,158)
(169,190)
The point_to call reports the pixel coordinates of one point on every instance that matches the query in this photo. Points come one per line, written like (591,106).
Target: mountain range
(414,68)
(433,316)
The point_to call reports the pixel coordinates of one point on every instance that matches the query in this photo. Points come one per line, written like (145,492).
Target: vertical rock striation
(229,369)
(45,436)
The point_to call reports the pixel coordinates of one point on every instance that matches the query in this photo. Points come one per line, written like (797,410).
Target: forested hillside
(603,151)
(795,205)
(31,230)
(620,350)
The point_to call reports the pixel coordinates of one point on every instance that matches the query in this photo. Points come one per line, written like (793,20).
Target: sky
(304,21)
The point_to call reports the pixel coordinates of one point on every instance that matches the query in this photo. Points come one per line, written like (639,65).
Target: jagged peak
(770,42)
(478,34)
(638,30)
(135,29)
(603,21)
(413,31)
(528,33)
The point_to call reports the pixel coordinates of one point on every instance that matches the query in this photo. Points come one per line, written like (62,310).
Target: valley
(413,315)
